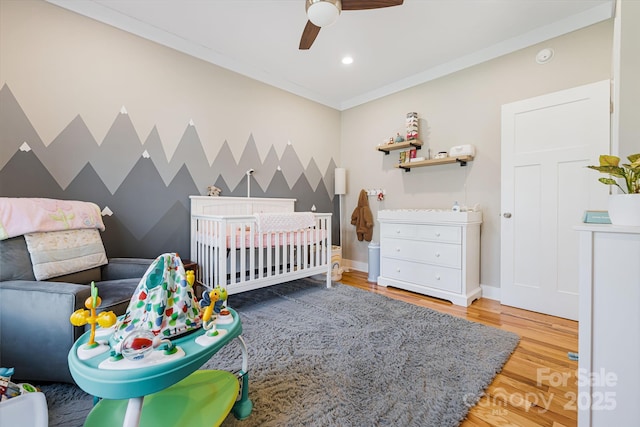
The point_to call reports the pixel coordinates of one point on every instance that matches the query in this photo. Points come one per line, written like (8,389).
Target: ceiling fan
(322,13)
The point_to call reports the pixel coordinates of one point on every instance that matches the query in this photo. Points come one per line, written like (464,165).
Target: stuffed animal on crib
(212,190)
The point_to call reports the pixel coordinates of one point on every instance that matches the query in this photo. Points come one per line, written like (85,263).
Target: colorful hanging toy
(81,317)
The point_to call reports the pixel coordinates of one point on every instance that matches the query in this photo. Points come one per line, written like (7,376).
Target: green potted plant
(624,209)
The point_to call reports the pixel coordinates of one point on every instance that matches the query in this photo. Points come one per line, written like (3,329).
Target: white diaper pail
(374,262)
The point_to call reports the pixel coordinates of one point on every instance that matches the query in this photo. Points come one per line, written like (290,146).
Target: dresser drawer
(447,279)
(435,233)
(444,254)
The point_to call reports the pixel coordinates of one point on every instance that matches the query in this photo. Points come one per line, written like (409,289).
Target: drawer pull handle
(437,254)
(397,270)
(397,249)
(398,231)
(438,234)
(437,277)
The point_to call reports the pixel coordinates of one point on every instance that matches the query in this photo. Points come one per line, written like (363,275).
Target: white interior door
(547,142)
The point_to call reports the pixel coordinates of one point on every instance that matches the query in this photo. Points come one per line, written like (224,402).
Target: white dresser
(609,327)
(432,252)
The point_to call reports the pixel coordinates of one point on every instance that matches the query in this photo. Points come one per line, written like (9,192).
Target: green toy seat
(204,398)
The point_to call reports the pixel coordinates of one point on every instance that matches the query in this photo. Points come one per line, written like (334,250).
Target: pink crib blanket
(22,215)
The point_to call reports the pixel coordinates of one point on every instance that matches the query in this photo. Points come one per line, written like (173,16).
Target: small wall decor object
(399,138)
(412,126)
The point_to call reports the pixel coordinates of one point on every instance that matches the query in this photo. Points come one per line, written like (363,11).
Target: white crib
(232,248)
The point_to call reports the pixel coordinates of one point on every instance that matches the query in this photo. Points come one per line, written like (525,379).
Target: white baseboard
(349,264)
(489,292)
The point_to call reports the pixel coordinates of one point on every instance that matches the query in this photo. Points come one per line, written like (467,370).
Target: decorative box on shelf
(387,148)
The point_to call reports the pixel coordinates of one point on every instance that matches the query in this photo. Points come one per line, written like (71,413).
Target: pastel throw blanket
(62,235)
(20,216)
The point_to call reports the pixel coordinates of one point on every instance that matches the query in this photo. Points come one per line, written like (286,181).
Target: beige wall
(59,65)
(73,65)
(462,108)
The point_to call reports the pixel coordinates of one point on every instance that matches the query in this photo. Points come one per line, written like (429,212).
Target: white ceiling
(393,48)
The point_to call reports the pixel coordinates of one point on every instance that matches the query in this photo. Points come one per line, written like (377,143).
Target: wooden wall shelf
(387,148)
(433,162)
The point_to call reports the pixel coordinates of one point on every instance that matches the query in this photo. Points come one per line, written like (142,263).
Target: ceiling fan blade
(369,4)
(309,35)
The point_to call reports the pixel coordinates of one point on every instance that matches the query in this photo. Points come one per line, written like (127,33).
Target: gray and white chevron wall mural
(145,196)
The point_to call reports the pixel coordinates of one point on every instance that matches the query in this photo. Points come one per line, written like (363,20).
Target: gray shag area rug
(344,357)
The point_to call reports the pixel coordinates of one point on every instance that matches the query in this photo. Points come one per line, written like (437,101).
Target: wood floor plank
(538,384)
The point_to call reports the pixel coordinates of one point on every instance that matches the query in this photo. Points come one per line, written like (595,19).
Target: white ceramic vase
(624,209)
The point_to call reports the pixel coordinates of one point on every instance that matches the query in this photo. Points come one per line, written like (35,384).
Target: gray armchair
(35,332)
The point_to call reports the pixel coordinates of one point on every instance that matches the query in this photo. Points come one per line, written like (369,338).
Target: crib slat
(252,251)
(261,254)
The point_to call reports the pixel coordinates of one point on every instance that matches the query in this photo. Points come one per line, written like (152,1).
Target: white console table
(609,326)
(432,252)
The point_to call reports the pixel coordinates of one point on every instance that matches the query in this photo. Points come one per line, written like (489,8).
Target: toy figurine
(219,303)
(81,317)
(191,277)
(208,323)
(212,302)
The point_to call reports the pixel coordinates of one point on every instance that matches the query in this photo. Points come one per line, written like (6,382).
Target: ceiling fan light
(323,13)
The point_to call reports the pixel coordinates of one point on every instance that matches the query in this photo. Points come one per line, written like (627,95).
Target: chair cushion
(15,263)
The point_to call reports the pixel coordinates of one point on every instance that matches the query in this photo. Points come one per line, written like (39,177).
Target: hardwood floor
(537,385)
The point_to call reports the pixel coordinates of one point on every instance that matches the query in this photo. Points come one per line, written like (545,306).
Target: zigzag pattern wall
(146,194)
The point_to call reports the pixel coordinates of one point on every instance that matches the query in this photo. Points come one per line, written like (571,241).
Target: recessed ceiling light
(347,60)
